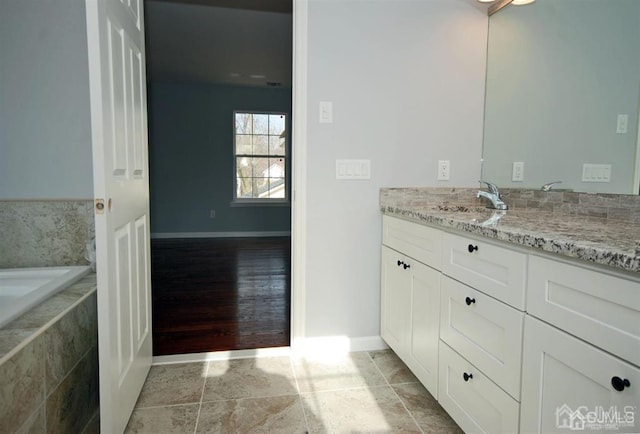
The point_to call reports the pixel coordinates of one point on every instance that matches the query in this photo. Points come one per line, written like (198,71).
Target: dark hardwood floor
(214,294)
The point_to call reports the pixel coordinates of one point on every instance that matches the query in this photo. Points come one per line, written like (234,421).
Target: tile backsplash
(41,233)
(609,206)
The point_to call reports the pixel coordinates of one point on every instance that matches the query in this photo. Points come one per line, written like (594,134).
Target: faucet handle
(492,187)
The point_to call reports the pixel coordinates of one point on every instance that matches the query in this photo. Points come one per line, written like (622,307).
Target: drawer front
(484,331)
(420,242)
(600,308)
(476,404)
(568,381)
(494,270)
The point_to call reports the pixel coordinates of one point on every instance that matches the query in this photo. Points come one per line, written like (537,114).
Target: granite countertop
(610,242)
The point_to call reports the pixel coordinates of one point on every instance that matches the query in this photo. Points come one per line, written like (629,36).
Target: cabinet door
(395,301)
(425,323)
(485,331)
(472,400)
(568,385)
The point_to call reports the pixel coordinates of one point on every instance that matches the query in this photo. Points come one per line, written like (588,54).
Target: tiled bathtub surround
(563,229)
(49,364)
(40,233)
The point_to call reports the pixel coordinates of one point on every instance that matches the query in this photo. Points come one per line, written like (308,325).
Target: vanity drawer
(472,399)
(600,308)
(484,331)
(420,242)
(494,270)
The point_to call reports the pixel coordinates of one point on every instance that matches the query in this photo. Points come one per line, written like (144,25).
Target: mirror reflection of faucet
(549,185)
(493,220)
(493,195)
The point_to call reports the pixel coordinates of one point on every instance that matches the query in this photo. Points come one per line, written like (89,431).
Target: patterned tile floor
(363,392)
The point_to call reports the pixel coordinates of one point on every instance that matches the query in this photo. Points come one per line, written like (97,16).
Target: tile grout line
(395,393)
(204,383)
(295,378)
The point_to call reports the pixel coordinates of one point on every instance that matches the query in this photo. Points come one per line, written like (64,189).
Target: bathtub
(22,289)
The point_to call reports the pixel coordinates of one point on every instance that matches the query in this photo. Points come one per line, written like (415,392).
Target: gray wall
(559,73)
(407,83)
(191,158)
(45,132)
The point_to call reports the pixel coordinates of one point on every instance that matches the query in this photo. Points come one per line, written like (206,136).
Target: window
(260,144)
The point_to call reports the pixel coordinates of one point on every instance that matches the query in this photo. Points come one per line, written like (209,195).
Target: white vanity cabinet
(410,297)
(511,339)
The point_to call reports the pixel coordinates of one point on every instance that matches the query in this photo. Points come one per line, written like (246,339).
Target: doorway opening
(220,267)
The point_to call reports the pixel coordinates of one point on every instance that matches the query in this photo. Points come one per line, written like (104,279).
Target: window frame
(264,201)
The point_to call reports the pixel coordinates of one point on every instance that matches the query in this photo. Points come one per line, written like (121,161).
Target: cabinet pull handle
(467,377)
(469,300)
(619,384)
(400,262)
(472,248)
(406,266)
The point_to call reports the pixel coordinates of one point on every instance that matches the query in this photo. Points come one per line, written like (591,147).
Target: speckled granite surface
(606,241)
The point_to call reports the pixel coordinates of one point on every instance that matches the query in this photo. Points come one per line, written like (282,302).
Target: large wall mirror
(563,90)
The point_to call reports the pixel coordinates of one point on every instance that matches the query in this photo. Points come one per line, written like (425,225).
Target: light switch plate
(353,169)
(596,172)
(326,112)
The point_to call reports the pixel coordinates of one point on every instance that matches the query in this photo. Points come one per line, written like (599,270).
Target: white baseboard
(303,346)
(221,234)
(337,344)
(221,355)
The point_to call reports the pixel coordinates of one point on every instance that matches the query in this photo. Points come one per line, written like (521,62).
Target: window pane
(244,187)
(243,123)
(276,168)
(277,146)
(243,167)
(261,145)
(276,124)
(260,124)
(276,188)
(261,167)
(243,144)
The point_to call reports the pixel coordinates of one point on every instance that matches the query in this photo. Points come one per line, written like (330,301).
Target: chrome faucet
(493,195)
(548,185)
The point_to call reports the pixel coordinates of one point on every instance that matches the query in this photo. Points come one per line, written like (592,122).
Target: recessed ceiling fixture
(521,2)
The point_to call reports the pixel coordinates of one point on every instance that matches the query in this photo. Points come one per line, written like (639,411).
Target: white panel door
(115,35)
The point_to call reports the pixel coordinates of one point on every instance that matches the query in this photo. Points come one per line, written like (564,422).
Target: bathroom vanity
(525,321)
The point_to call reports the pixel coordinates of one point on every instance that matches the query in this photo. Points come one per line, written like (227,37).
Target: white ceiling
(245,42)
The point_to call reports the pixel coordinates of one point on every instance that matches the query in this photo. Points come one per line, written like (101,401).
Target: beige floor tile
(339,372)
(279,414)
(163,420)
(180,383)
(425,409)
(249,378)
(371,410)
(393,369)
